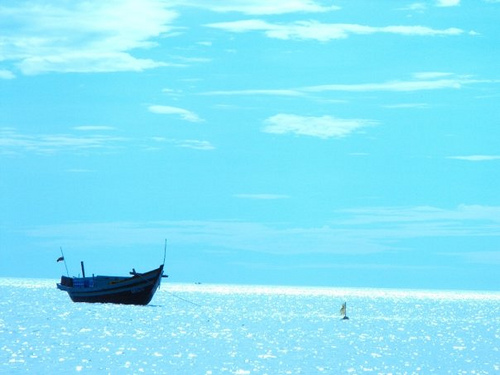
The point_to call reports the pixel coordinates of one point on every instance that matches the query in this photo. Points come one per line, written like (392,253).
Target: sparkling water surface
(221,329)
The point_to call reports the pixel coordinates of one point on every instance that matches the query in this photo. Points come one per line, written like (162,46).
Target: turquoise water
(217,329)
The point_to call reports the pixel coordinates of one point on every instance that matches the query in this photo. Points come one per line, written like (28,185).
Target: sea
(231,329)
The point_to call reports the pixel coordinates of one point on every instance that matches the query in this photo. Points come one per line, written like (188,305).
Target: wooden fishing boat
(137,289)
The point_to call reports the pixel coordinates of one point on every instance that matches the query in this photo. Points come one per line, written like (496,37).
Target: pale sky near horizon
(336,143)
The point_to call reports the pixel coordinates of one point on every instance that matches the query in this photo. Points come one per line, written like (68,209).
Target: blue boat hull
(138,289)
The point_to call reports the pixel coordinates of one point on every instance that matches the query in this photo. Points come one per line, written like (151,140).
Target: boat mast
(64,260)
(165,252)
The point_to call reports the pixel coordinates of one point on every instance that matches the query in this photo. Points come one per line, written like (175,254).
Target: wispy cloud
(259,7)
(322,127)
(270,92)
(93,128)
(413,85)
(477,257)
(465,219)
(353,231)
(181,112)
(85,62)
(262,196)
(421,82)
(79,170)
(194,144)
(408,105)
(13,142)
(88,139)
(90,36)
(324,32)
(476,157)
(431,75)
(225,236)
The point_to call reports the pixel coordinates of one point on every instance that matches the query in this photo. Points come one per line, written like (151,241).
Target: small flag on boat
(60,259)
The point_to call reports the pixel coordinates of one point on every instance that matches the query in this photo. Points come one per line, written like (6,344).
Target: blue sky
(300,142)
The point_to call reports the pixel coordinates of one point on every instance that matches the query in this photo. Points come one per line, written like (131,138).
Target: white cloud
(448,3)
(476,157)
(324,32)
(420,6)
(183,113)
(6,74)
(415,7)
(90,36)
(256,7)
(322,127)
(195,144)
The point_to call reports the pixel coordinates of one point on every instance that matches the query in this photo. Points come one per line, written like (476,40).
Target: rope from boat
(172,294)
(183,299)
